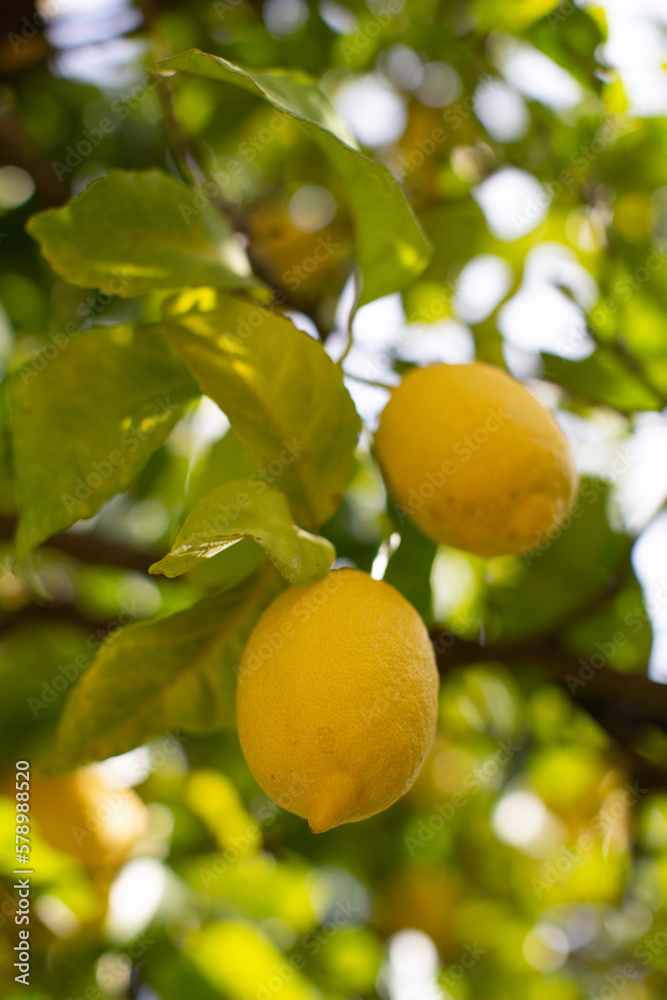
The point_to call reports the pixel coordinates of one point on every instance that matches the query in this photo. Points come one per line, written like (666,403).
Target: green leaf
(214,951)
(391,247)
(515,16)
(237,510)
(283,395)
(534,595)
(227,459)
(86,421)
(572,37)
(602,378)
(7,489)
(31,658)
(130,232)
(620,630)
(409,569)
(175,671)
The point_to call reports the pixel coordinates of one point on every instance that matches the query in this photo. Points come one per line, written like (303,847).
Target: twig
(90,548)
(621,703)
(192,172)
(368,381)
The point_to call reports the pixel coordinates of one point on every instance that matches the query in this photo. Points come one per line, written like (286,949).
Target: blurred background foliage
(530,859)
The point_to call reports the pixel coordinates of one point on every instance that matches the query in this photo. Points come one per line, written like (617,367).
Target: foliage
(175,257)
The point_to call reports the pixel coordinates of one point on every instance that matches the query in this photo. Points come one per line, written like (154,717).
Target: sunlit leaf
(391,247)
(132,231)
(283,395)
(517,15)
(86,421)
(241,962)
(239,510)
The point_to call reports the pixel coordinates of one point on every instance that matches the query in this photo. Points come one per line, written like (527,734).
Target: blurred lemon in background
(475,460)
(87,817)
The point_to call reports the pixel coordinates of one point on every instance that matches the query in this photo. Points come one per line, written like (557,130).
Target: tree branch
(48,614)
(90,548)
(622,704)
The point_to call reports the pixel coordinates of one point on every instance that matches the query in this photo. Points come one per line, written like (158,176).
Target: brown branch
(635,696)
(90,548)
(622,704)
(48,614)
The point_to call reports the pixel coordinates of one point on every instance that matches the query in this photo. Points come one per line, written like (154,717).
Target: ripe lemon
(83,815)
(337,699)
(475,460)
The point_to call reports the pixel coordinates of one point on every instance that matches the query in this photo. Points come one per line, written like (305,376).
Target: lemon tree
(333,380)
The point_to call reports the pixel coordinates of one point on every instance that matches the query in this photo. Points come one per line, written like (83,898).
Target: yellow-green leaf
(86,421)
(237,510)
(602,378)
(132,231)
(390,244)
(283,395)
(175,671)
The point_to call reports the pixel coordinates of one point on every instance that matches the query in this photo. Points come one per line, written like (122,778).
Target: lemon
(337,699)
(84,815)
(474,460)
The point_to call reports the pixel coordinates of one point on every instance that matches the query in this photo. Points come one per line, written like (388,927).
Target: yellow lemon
(475,460)
(337,699)
(84,815)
